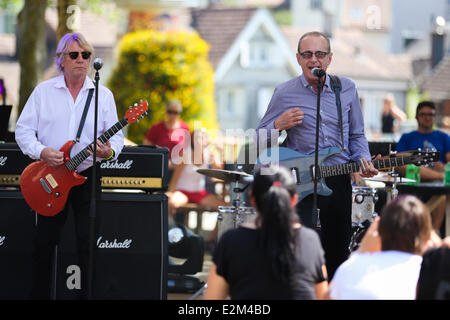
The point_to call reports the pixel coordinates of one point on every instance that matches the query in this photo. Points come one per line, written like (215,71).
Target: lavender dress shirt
(298,92)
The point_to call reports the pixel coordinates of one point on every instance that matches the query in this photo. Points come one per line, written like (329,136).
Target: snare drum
(232,217)
(363,206)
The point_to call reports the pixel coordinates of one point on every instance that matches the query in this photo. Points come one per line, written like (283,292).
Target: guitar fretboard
(73,163)
(346,168)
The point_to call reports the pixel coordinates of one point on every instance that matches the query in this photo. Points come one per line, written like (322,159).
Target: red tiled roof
(438,83)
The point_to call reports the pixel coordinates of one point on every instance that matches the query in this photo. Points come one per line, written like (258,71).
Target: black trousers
(48,234)
(335,219)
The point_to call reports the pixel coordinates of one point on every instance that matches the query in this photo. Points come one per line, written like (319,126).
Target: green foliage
(413,97)
(162,66)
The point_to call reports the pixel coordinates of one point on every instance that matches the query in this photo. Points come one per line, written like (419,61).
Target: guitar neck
(73,163)
(347,168)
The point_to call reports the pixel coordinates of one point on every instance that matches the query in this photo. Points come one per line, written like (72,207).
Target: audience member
(434,277)
(387,264)
(163,133)
(392,116)
(189,186)
(426,138)
(273,257)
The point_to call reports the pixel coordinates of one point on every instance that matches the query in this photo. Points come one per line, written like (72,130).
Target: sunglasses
(426,114)
(172,112)
(74,55)
(309,54)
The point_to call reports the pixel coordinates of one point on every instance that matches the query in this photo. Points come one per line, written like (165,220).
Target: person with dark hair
(273,257)
(293,108)
(388,261)
(51,117)
(427,138)
(434,277)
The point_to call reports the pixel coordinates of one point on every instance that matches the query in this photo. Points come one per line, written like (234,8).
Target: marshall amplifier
(142,167)
(12,163)
(131,256)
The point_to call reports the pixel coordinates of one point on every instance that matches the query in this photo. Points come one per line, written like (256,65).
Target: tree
(64,9)
(32,47)
(161,66)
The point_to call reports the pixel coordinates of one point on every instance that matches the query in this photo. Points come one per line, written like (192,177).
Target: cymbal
(227,175)
(389,179)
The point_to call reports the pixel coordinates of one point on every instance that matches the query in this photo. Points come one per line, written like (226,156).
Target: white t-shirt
(385,275)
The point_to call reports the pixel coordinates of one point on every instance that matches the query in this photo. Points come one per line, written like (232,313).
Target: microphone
(317,72)
(98,64)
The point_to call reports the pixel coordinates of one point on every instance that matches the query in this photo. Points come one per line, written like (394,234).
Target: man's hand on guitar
(103,149)
(367,169)
(289,119)
(52,156)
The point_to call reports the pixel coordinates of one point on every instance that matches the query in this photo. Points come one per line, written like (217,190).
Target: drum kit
(364,199)
(231,217)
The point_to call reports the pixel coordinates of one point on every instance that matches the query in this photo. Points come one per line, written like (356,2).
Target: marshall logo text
(105,244)
(117,165)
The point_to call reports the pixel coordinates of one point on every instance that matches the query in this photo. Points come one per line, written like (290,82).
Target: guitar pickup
(51,181)
(296,175)
(45,186)
(313,172)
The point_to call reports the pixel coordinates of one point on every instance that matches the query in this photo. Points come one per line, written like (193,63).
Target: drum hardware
(235,215)
(363,213)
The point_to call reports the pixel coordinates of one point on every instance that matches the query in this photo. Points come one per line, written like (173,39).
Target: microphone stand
(316,210)
(93,207)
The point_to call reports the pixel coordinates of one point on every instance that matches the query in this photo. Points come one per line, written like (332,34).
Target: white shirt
(190,180)
(51,117)
(384,275)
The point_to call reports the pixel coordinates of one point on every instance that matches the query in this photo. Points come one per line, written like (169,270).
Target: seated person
(187,185)
(387,264)
(425,137)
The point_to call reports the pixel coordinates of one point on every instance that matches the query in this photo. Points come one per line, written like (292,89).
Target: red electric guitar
(45,188)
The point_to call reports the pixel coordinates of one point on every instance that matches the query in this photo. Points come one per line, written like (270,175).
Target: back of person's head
(63,47)
(434,278)
(423,104)
(272,191)
(405,225)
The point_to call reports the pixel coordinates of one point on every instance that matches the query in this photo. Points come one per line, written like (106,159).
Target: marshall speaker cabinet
(131,250)
(17,223)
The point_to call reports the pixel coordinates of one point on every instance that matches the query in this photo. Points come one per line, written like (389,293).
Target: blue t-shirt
(435,140)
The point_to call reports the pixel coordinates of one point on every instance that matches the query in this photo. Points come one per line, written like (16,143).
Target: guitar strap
(337,87)
(83,117)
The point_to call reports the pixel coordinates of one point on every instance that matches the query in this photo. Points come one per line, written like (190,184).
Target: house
(250,56)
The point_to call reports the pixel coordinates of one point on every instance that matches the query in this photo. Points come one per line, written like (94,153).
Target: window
(259,54)
(316,4)
(264,96)
(231,102)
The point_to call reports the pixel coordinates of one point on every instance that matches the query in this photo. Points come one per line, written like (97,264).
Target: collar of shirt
(61,83)
(306,84)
